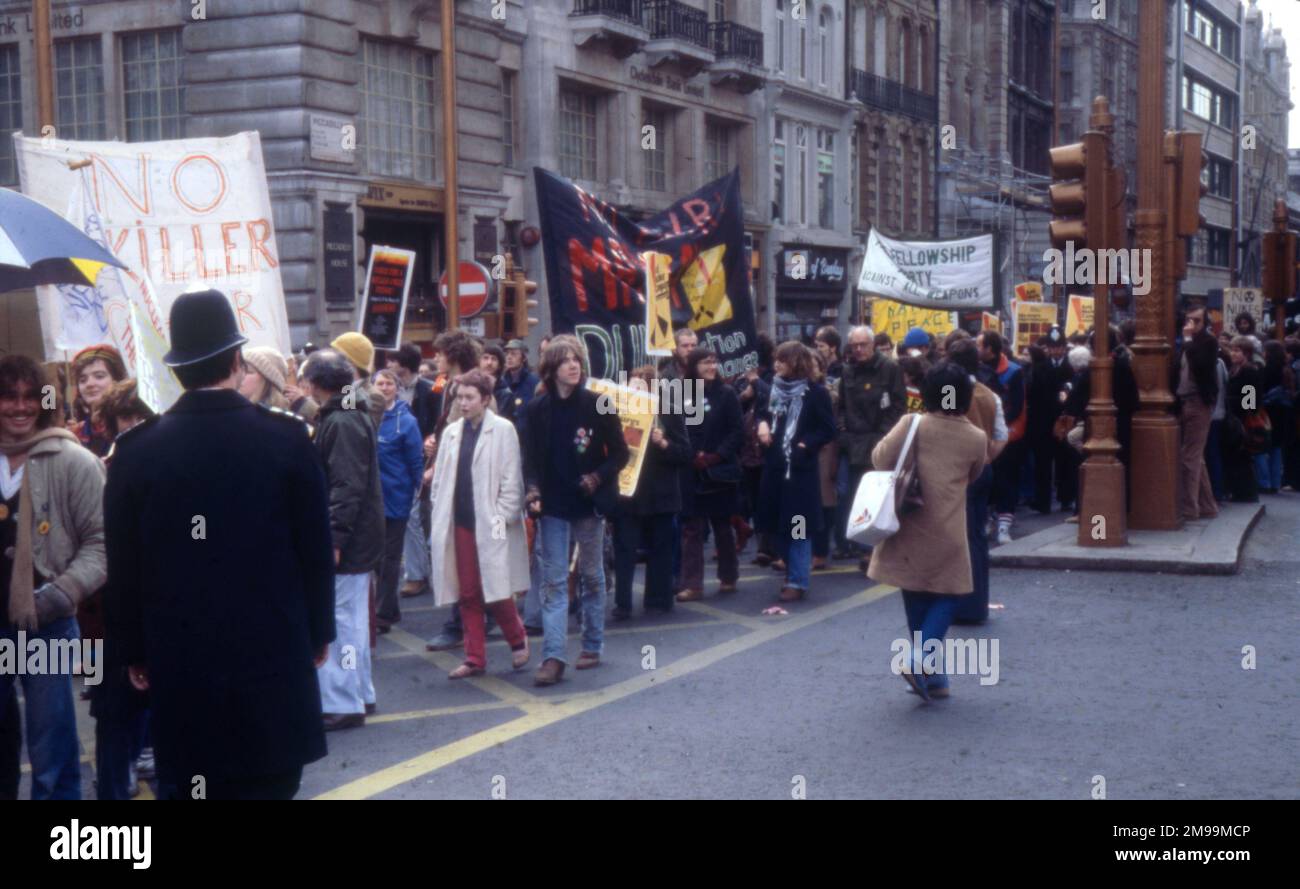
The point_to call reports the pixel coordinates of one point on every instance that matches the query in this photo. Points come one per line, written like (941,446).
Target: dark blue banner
(597,282)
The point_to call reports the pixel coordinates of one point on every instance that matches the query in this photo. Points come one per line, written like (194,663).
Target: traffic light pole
(1154,457)
(1102,518)
(451,250)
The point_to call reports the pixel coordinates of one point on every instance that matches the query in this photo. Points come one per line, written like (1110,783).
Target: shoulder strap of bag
(907,444)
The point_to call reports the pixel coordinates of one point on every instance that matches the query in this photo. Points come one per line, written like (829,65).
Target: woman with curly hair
(94,370)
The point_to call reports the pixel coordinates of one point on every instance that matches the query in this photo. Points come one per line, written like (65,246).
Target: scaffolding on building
(982,194)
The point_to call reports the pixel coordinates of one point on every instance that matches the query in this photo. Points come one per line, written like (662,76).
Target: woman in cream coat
(480,555)
(928,558)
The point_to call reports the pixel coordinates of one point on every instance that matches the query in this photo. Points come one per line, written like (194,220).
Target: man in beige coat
(478,547)
(929,558)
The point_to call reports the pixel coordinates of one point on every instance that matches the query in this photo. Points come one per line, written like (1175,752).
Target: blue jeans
(533,598)
(1268,469)
(797,555)
(554,535)
(931,614)
(51,719)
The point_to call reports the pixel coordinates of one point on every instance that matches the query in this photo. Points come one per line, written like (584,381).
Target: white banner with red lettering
(182,215)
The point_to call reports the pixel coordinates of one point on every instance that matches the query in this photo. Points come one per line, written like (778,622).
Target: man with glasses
(872,398)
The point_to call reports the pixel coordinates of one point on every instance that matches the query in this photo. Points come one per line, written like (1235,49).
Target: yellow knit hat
(358,349)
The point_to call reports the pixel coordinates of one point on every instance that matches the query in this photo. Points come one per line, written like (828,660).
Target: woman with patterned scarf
(797,422)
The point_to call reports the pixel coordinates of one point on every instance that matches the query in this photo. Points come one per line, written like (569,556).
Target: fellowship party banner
(182,215)
(949,275)
(596,274)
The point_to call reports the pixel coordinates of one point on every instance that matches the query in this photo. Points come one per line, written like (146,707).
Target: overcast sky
(1286,15)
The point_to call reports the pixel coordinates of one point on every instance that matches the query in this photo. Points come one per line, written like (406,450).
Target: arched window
(780,35)
(824,46)
(862,22)
(881,53)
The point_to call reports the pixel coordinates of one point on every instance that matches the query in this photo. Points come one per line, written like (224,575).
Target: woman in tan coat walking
(929,558)
(480,555)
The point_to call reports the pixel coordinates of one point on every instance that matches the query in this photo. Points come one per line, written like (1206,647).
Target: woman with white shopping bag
(928,557)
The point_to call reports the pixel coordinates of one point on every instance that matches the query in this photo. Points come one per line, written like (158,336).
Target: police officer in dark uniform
(220,589)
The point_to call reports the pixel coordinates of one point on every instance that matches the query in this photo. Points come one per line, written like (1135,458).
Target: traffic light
(523,303)
(1184,189)
(1078,193)
(1279,246)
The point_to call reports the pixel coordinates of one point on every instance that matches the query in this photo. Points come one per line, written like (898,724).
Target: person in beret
(220,594)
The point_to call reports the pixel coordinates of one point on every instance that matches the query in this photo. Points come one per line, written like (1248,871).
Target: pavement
(1208,546)
(1138,686)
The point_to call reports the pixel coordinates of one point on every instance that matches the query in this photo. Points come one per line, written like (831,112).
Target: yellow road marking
(449,660)
(618,631)
(438,711)
(539,717)
(744,620)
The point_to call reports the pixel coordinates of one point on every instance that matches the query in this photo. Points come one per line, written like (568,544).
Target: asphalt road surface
(1128,683)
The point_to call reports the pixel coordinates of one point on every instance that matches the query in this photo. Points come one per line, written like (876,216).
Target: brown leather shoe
(689,595)
(519,658)
(724,588)
(334,722)
(414,588)
(820,563)
(790,594)
(550,672)
(587,660)
(777,565)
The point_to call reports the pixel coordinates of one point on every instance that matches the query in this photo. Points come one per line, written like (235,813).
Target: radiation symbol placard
(704,282)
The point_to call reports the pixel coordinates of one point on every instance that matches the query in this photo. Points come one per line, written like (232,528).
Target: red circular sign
(475,288)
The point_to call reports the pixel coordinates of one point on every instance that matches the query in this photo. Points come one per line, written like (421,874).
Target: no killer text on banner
(180,214)
(596,275)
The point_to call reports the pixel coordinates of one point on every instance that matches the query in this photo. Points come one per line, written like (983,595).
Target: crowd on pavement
(240,553)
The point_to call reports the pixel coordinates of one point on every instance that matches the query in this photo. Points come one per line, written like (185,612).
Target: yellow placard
(1030,292)
(636,411)
(1079,318)
(991,321)
(658,303)
(1032,321)
(896,319)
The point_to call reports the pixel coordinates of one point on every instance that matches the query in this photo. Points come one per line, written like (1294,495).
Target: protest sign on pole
(1078,318)
(991,321)
(896,319)
(636,411)
(658,303)
(182,214)
(383,304)
(956,274)
(1248,300)
(1032,321)
(1029,291)
(596,279)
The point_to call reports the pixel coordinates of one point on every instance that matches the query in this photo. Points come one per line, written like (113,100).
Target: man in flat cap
(220,573)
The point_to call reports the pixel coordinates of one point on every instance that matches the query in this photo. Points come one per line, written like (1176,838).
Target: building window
(778,172)
(577,133)
(803,46)
(780,35)
(1218,243)
(1210,30)
(824,47)
(656,155)
(79,88)
(1067,75)
(151,88)
(509,117)
(717,150)
(826,178)
(1205,101)
(11,110)
(719,10)
(801,174)
(397,108)
(1217,177)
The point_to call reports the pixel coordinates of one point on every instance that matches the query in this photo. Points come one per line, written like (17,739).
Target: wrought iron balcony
(739,52)
(627,10)
(732,41)
(678,34)
(890,95)
(674,20)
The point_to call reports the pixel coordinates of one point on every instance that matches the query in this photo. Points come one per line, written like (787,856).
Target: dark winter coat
(873,395)
(349,449)
(719,433)
(227,621)
(606,454)
(658,488)
(781,499)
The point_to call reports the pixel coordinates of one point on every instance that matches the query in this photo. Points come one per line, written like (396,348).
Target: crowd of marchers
(241,552)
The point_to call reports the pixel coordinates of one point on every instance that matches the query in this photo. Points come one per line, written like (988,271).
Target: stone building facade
(304,74)
(1266,103)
